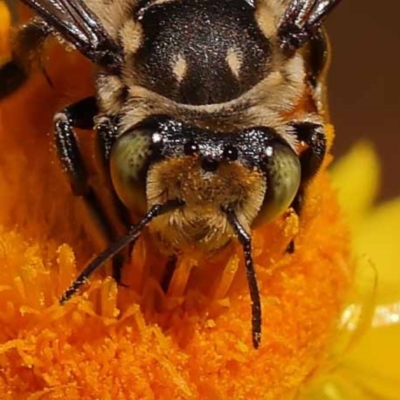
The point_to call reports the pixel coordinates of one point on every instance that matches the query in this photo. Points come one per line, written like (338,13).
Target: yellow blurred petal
(356,178)
(378,238)
(371,369)
(333,382)
(333,387)
(358,312)
(375,363)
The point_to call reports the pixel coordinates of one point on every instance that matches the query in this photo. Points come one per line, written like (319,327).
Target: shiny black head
(169,138)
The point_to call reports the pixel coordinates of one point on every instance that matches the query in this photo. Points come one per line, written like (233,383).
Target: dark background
(364,81)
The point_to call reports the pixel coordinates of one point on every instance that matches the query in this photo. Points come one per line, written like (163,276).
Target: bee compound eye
(282,169)
(230,153)
(190,148)
(130,158)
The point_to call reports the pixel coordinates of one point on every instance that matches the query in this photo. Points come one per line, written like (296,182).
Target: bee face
(253,172)
(208,115)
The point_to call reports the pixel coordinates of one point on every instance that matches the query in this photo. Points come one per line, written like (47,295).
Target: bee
(208,115)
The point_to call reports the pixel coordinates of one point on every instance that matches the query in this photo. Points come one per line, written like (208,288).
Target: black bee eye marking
(209,164)
(190,148)
(230,153)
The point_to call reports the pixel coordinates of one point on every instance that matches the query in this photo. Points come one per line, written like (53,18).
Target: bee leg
(313,136)
(27,46)
(169,270)
(310,160)
(81,115)
(106,131)
(301,20)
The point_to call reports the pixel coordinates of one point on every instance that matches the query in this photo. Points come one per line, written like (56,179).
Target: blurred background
(364,81)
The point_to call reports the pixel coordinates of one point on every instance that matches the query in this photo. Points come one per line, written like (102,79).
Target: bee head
(253,172)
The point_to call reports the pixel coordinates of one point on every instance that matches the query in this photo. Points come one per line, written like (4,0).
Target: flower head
(138,342)
(367,366)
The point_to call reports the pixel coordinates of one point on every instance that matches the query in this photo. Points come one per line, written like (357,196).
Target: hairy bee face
(253,172)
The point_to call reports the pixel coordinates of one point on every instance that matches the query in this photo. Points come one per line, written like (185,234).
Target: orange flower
(137,342)
(366,356)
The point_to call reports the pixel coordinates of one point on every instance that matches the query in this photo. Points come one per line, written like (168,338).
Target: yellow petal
(378,238)
(333,387)
(375,363)
(371,369)
(356,178)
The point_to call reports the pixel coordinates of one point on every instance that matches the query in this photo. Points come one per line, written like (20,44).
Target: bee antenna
(117,246)
(245,240)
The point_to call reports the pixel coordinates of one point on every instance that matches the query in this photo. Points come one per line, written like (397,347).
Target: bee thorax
(201,52)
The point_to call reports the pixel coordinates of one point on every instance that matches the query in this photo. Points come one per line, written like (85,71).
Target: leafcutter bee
(197,115)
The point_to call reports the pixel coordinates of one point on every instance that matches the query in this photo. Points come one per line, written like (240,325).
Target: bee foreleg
(106,128)
(301,21)
(106,132)
(169,270)
(311,158)
(27,44)
(313,136)
(81,115)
